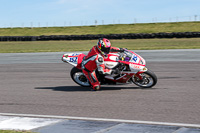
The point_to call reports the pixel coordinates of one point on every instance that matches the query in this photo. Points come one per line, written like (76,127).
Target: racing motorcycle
(131,69)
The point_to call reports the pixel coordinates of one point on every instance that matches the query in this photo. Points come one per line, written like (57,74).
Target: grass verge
(86,45)
(104,29)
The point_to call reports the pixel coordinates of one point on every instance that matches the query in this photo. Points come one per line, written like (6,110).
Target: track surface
(47,89)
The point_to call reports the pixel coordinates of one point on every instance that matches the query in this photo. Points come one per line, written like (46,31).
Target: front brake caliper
(137,75)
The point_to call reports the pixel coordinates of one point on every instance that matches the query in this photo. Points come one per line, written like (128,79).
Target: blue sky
(84,12)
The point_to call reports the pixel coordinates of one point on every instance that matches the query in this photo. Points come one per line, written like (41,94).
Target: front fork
(140,72)
(138,75)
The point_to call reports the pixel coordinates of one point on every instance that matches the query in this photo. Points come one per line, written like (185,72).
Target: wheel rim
(80,78)
(146,82)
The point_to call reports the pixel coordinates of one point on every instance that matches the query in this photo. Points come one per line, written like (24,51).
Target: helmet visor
(106,50)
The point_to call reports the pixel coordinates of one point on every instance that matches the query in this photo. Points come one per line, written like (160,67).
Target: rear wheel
(78,77)
(149,79)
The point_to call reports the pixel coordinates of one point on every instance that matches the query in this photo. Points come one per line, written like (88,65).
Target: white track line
(104,119)
(25,123)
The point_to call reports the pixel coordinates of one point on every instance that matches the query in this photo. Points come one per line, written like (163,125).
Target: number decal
(73,59)
(134,58)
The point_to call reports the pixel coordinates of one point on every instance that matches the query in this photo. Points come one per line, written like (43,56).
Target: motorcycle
(131,68)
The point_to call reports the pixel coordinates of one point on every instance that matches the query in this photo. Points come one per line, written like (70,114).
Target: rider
(95,60)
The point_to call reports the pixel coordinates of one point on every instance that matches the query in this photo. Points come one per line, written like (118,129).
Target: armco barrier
(110,36)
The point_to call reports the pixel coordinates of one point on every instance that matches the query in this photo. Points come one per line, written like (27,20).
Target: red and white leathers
(95,60)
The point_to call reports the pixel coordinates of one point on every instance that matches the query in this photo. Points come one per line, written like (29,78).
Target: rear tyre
(149,79)
(78,77)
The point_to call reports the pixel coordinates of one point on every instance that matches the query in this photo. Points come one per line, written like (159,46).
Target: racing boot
(95,88)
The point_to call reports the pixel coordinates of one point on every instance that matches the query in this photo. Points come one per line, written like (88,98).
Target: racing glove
(121,50)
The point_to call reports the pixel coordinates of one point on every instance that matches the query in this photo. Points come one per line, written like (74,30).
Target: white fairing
(135,58)
(110,65)
(138,63)
(71,58)
(112,61)
(141,60)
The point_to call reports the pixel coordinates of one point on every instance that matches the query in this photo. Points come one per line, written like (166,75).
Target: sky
(46,13)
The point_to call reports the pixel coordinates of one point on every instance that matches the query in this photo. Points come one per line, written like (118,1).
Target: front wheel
(149,79)
(78,77)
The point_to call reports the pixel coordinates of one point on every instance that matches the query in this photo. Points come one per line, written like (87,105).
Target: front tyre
(149,79)
(78,77)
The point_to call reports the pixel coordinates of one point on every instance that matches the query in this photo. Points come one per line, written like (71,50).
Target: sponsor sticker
(135,66)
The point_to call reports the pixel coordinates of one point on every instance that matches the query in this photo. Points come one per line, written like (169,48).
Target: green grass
(104,29)
(86,45)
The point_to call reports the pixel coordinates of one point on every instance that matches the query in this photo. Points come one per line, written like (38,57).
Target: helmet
(104,45)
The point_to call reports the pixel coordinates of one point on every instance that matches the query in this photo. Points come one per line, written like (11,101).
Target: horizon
(98,25)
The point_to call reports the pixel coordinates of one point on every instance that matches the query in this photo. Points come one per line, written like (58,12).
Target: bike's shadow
(79,88)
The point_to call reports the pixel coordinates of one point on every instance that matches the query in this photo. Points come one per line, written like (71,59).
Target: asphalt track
(39,83)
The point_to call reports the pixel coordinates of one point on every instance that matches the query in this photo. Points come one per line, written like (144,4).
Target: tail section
(74,59)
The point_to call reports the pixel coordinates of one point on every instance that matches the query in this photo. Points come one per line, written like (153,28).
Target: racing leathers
(95,60)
